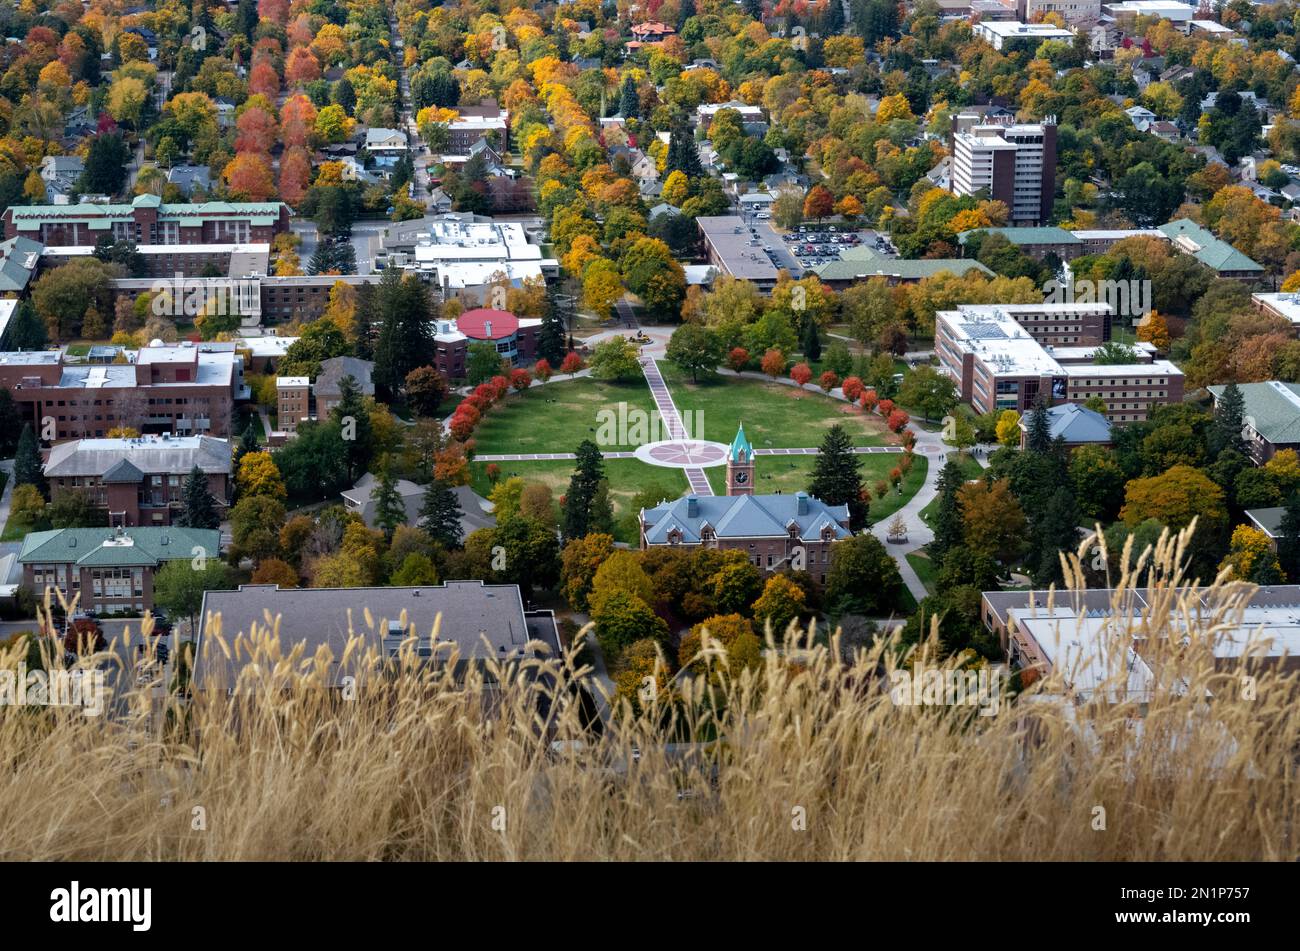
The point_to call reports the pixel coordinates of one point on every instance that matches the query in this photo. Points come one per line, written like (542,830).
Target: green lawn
(882,509)
(775,416)
(970,469)
(15,529)
(558,416)
(627,478)
(924,568)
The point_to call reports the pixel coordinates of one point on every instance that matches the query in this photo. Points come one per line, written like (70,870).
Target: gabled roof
(122,471)
(744,516)
(1188,236)
(1074,424)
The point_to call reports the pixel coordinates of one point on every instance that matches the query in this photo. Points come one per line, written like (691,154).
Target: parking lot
(813,246)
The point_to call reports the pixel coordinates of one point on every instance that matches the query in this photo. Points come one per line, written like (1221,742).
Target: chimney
(692,506)
(802,503)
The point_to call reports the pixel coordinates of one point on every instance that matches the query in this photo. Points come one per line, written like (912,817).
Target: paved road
(696,477)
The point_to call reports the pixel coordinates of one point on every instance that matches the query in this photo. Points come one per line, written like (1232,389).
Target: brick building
(110,570)
(997,356)
(184,388)
(516,339)
(147,220)
(139,481)
(772,530)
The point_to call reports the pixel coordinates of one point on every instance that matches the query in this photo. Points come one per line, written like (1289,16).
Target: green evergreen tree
(200,508)
(389,510)
(1054,530)
(812,341)
(837,477)
(550,340)
(247,443)
(353,418)
(1288,542)
(602,509)
(1039,436)
(629,104)
(1229,418)
(682,154)
(28,469)
(440,516)
(949,529)
(27,332)
(587,476)
(405,338)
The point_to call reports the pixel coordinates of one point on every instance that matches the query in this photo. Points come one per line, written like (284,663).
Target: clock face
(742,477)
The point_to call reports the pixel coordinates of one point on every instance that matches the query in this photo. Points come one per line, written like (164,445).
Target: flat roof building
(1013,35)
(733,250)
(484,622)
(996,355)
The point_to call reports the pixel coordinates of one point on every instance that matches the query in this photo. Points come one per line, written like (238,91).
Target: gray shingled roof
(333,370)
(1074,424)
(744,516)
(484,620)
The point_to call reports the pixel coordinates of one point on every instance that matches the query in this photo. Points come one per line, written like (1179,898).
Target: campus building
(734,250)
(515,338)
(1271,414)
(1010,34)
(1010,162)
(481,622)
(147,220)
(110,570)
(999,363)
(139,481)
(1074,632)
(776,532)
(298,398)
(466,257)
(182,388)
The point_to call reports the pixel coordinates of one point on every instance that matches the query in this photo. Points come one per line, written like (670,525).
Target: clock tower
(740,465)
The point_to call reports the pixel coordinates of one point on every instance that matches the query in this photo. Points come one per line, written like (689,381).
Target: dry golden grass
(412,767)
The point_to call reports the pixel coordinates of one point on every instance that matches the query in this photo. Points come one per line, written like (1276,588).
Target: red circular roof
(483,323)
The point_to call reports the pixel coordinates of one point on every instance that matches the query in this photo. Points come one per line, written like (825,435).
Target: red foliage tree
(264,80)
(520,380)
(869,400)
(248,177)
(501,385)
(829,380)
(542,369)
(295,169)
(572,363)
(493,472)
(301,67)
(885,407)
(297,119)
(256,131)
(852,388)
(773,363)
(738,358)
(801,373)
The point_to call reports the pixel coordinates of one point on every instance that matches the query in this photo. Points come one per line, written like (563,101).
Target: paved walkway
(545,456)
(695,475)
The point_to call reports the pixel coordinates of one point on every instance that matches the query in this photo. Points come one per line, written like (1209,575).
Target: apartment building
(139,481)
(298,398)
(1010,34)
(998,363)
(183,388)
(1011,162)
(147,220)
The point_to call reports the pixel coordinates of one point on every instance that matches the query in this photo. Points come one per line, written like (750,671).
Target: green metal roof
(98,547)
(741,450)
(1271,409)
(1210,251)
(852,266)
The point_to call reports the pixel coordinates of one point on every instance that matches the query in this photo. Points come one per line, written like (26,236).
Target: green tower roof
(741,450)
